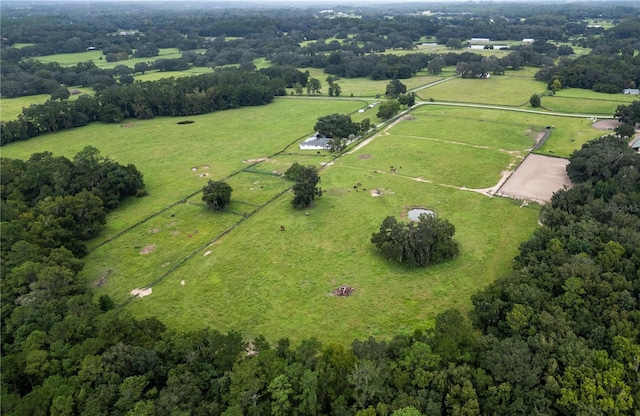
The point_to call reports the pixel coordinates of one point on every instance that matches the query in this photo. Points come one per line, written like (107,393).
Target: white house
(316,142)
(481,40)
(631,91)
(528,40)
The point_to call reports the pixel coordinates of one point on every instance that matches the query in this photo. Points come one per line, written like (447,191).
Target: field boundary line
(218,237)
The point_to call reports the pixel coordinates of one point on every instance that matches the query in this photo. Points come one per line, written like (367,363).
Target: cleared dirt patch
(537,178)
(128,125)
(262,159)
(365,156)
(148,249)
(343,291)
(606,124)
(142,292)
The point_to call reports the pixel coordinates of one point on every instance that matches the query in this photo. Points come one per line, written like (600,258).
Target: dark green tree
(430,240)
(395,88)
(217,195)
(305,189)
(388,109)
(625,130)
(534,101)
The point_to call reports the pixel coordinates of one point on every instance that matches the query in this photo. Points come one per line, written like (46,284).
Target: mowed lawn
(510,89)
(172,157)
(574,100)
(261,280)
(500,129)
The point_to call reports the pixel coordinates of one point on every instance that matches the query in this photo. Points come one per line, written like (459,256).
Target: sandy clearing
(537,178)
(142,292)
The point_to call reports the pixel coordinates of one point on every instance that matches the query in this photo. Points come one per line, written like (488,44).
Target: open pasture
(494,129)
(156,75)
(581,103)
(567,135)
(447,163)
(364,87)
(166,152)
(70,59)
(278,283)
(10,108)
(506,89)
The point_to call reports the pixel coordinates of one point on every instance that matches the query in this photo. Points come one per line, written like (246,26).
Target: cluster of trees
(558,335)
(56,202)
(339,128)
(598,72)
(305,189)
(629,116)
(426,241)
(223,89)
(300,40)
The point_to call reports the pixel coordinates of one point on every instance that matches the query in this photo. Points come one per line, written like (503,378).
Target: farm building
(480,40)
(635,145)
(316,142)
(528,40)
(631,91)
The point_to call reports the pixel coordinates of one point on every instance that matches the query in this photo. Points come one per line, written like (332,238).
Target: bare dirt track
(537,178)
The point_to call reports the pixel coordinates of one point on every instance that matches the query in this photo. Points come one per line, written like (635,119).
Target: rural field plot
(498,90)
(278,283)
(70,59)
(435,161)
(365,87)
(582,105)
(11,108)
(143,254)
(173,157)
(494,129)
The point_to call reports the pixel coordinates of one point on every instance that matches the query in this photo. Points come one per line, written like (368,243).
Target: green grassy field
(70,59)
(513,89)
(364,87)
(166,152)
(266,281)
(241,272)
(261,280)
(22,45)
(10,108)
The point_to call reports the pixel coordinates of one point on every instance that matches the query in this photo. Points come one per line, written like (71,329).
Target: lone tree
(534,101)
(305,189)
(217,195)
(428,241)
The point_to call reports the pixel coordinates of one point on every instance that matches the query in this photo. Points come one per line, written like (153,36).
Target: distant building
(481,40)
(635,145)
(631,91)
(528,40)
(91,48)
(316,142)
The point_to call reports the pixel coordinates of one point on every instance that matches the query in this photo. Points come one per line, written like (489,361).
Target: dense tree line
(559,336)
(602,73)
(301,39)
(220,90)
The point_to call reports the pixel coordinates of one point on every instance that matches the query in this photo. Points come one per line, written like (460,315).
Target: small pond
(415,213)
